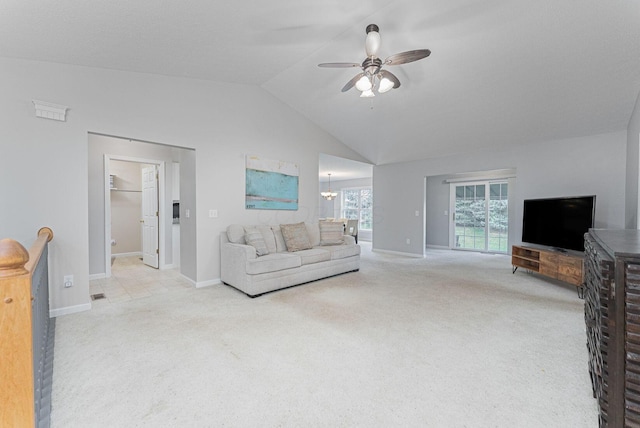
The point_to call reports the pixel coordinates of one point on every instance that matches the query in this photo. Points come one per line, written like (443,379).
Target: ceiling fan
(373,77)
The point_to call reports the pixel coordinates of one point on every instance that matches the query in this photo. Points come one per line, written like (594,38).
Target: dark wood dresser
(612,317)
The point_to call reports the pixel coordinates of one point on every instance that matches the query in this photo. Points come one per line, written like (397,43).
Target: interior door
(150,216)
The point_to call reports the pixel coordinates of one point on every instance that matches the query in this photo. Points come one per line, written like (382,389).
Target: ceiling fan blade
(338,64)
(390,76)
(351,83)
(405,57)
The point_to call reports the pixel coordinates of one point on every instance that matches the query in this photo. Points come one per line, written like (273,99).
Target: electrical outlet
(213,213)
(408,241)
(68,281)
(187,213)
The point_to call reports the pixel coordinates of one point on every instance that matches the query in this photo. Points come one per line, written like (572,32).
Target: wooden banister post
(13,257)
(16,346)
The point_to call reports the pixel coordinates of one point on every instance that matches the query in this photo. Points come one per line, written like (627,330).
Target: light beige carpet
(452,340)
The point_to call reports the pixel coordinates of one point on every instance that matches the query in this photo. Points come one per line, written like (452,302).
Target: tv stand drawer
(548,258)
(550,271)
(564,267)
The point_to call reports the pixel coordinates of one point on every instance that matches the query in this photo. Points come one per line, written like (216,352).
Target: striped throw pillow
(331,233)
(256,240)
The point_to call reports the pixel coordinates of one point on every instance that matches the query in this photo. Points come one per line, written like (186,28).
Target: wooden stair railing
(26,333)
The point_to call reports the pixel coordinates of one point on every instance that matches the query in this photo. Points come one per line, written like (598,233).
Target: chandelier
(329,195)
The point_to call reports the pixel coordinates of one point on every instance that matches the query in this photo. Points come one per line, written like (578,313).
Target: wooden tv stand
(567,267)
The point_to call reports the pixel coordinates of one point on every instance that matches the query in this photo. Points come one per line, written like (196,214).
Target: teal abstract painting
(271,184)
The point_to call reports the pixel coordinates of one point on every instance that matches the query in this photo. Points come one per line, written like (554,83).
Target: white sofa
(283,266)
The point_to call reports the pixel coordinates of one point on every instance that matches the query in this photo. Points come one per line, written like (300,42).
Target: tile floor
(131,279)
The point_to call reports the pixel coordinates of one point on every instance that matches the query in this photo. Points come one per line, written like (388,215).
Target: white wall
(44,163)
(633,168)
(188,225)
(126,207)
(437,193)
(578,166)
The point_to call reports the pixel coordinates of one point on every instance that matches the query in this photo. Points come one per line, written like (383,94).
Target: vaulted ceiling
(501,72)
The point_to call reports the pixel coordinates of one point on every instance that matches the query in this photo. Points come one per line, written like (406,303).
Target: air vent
(98,296)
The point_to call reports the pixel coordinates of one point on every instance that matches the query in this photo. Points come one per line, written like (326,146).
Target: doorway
(115,147)
(352,181)
(480,216)
(150,186)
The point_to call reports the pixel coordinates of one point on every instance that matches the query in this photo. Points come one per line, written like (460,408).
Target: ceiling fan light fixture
(364,84)
(367,94)
(385,85)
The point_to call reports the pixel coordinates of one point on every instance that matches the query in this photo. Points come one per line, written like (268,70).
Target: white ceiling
(342,169)
(501,72)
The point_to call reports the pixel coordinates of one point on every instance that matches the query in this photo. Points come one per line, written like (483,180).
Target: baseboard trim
(97,276)
(399,253)
(438,247)
(209,283)
(191,281)
(202,284)
(135,253)
(166,267)
(69,310)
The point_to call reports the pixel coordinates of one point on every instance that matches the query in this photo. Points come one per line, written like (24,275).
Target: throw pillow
(331,233)
(295,236)
(235,234)
(256,240)
(281,246)
(314,233)
(269,239)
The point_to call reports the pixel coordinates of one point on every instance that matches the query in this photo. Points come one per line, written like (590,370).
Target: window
(357,203)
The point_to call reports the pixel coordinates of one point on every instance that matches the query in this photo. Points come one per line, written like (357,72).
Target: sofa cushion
(313,255)
(273,263)
(269,239)
(235,234)
(331,233)
(314,233)
(342,251)
(295,236)
(254,238)
(281,246)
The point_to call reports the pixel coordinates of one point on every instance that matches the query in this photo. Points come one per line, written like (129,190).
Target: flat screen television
(558,222)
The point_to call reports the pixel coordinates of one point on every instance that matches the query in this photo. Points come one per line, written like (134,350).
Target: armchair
(352,229)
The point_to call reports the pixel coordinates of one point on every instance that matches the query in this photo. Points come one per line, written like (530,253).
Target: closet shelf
(125,190)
